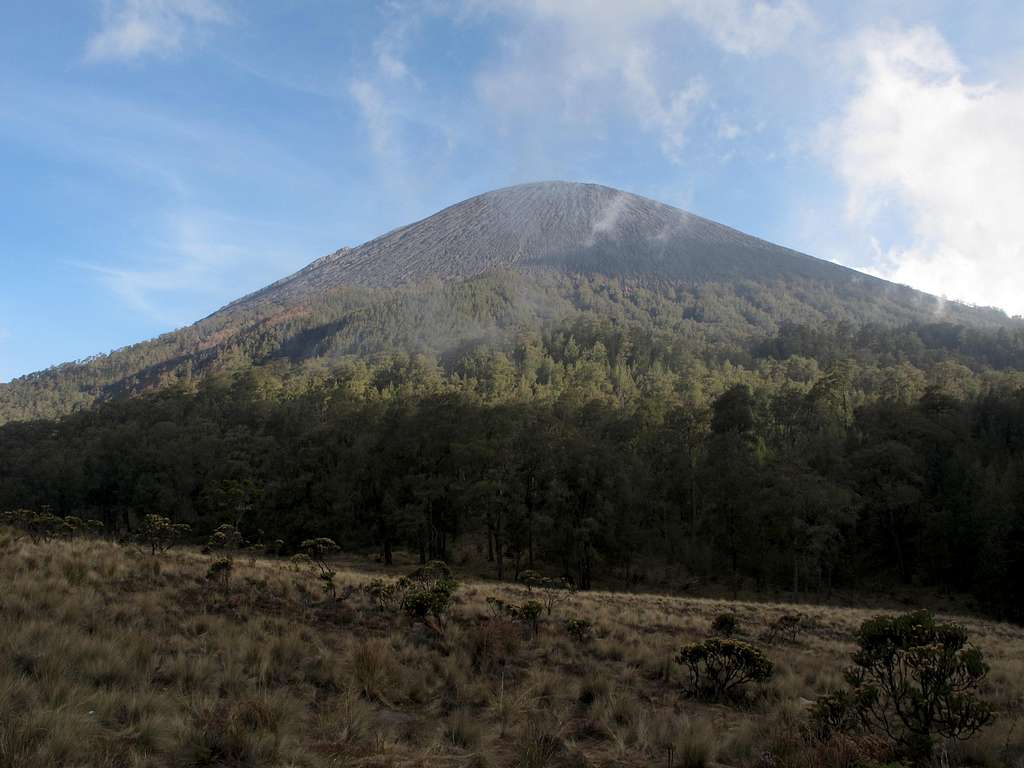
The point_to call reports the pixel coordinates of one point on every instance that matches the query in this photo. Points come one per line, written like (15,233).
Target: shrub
(579,630)
(725,625)
(431,573)
(160,534)
(220,571)
(253,551)
(551,592)
(318,550)
(226,536)
(420,603)
(912,679)
(786,627)
(383,593)
(38,526)
(720,669)
(528,613)
(428,593)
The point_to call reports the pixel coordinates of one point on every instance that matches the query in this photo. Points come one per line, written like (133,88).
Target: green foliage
(428,593)
(528,613)
(160,534)
(579,630)
(226,536)
(318,550)
(551,592)
(913,679)
(725,625)
(384,594)
(721,669)
(38,526)
(419,603)
(219,572)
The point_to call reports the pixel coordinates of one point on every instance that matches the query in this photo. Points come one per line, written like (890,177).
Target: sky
(159,158)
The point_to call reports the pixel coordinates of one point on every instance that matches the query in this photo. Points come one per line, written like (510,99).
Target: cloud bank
(949,155)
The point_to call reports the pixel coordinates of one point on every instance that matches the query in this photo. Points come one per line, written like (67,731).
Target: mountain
(526,257)
(559,225)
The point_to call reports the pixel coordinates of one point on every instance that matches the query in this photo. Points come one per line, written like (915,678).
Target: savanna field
(111,655)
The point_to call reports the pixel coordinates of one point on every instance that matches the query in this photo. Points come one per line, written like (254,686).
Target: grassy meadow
(111,657)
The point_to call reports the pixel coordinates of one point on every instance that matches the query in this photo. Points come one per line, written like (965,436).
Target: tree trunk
(499,546)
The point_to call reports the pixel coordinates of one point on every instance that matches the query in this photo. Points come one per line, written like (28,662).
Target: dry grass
(110,657)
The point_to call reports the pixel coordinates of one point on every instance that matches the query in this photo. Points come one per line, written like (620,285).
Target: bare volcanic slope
(568,226)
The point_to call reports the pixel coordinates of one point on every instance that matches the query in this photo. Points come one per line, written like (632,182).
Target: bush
(383,593)
(428,593)
(912,679)
(579,630)
(421,604)
(528,613)
(226,536)
(318,550)
(160,534)
(551,592)
(38,526)
(720,669)
(220,571)
(725,625)
(786,627)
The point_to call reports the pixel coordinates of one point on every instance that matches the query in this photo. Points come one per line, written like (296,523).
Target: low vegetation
(113,656)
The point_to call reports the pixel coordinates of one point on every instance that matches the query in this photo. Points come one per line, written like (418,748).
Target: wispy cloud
(588,61)
(190,246)
(134,28)
(377,116)
(199,256)
(748,28)
(947,155)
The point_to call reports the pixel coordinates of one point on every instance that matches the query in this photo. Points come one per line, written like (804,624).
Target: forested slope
(609,389)
(825,458)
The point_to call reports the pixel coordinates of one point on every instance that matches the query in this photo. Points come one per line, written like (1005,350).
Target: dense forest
(668,323)
(624,433)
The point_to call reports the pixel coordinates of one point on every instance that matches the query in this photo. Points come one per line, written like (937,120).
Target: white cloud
(585,60)
(728,130)
(947,155)
(133,28)
(748,28)
(376,114)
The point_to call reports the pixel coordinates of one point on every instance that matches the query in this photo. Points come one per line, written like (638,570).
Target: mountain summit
(555,224)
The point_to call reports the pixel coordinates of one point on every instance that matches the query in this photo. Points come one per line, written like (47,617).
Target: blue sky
(162,157)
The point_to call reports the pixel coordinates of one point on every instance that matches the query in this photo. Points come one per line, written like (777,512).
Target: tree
(160,534)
